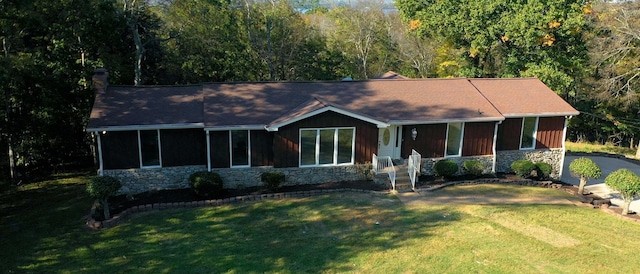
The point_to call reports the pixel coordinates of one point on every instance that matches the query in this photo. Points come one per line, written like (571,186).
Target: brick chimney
(100,80)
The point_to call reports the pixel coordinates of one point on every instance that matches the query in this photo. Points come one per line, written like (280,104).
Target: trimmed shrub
(272,179)
(543,170)
(584,168)
(206,184)
(445,168)
(101,188)
(523,168)
(626,183)
(473,167)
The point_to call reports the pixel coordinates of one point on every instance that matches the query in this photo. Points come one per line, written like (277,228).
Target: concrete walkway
(597,186)
(439,198)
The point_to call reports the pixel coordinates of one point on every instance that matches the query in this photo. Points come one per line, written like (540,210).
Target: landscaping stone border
(122,216)
(593,202)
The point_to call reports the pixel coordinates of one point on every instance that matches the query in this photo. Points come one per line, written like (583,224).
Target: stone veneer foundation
(140,180)
(554,157)
(427,164)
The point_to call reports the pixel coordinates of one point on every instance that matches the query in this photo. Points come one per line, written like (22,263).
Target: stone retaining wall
(140,180)
(549,156)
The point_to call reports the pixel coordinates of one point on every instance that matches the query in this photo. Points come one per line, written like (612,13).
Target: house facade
(154,137)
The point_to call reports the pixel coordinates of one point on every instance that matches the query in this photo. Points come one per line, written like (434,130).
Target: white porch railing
(382,165)
(415,160)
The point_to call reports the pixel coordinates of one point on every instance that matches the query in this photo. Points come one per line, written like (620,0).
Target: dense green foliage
(473,167)
(272,179)
(445,168)
(206,184)
(523,168)
(626,183)
(543,170)
(101,188)
(584,168)
(585,51)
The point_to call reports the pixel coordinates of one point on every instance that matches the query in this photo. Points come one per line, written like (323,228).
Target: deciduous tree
(584,168)
(626,183)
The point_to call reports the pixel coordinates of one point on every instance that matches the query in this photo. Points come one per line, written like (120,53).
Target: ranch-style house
(154,137)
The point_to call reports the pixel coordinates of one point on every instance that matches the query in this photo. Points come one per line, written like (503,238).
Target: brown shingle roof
(391,75)
(519,97)
(259,105)
(406,101)
(124,106)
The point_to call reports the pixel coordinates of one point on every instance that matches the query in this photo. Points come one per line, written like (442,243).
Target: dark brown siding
(478,139)
(120,150)
(429,143)
(219,149)
(549,133)
(181,147)
(286,139)
(261,148)
(509,134)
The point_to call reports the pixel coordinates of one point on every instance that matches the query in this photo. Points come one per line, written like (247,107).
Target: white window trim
(335,147)
(159,150)
(446,141)
(248,149)
(535,133)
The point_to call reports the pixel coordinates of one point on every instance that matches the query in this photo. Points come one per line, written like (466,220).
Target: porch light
(414,133)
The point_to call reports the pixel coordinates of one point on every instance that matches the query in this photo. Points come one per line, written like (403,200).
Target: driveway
(597,186)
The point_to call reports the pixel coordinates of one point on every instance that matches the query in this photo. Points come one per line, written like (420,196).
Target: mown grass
(341,232)
(592,147)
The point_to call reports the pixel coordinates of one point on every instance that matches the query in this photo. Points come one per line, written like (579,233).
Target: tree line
(585,51)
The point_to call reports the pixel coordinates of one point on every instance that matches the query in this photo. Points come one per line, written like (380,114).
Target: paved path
(597,186)
(440,198)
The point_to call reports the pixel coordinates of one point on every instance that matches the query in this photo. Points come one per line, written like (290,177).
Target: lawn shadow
(315,234)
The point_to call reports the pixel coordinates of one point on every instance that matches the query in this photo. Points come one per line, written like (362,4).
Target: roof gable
(314,107)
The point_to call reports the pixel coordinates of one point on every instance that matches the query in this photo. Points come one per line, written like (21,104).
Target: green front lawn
(594,147)
(341,232)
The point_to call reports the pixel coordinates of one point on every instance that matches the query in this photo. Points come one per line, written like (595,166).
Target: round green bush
(473,167)
(272,179)
(523,168)
(102,187)
(543,170)
(445,168)
(626,183)
(206,184)
(585,167)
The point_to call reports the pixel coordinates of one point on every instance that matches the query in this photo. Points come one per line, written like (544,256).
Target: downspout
(493,147)
(101,164)
(564,137)
(208,151)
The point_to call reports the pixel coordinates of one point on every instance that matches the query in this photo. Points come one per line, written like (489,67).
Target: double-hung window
(327,146)
(455,132)
(528,134)
(240,144)
(149,148)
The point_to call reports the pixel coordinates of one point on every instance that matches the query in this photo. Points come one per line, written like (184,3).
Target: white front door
(389,141)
